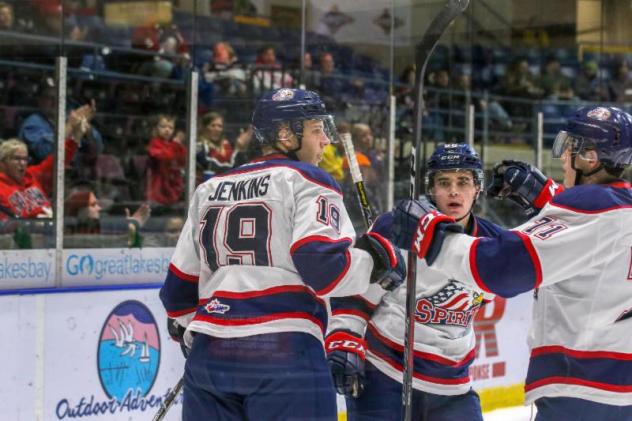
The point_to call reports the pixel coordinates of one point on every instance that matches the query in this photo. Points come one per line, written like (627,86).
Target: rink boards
(105,353)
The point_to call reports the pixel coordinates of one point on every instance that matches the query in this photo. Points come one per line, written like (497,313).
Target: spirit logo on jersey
(452,305)
(214,306)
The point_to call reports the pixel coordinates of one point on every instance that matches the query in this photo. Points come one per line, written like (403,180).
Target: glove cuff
(550,189)
(425,231)
(347,342)
(388,247)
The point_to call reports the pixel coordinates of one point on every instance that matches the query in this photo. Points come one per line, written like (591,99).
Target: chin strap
(579,173)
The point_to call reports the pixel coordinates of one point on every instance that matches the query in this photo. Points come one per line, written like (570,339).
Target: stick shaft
(356,176)
(438,26)
(169,400)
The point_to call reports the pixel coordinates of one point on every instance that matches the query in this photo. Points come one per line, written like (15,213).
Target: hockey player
(444,334)
(576,253)
(264,246)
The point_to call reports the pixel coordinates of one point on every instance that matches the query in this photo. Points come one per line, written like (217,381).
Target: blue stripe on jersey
(352,305)
(573,367)
(321,261)
(253,307)
(506,265)
(308,171)
(424,368)
(595,198)
(178,295)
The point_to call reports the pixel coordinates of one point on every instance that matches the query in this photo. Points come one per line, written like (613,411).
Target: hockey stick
(356,176)
(169,400)
(438,26)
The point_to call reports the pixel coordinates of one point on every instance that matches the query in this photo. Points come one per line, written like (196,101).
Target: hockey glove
(176,331)
(523,184)
(420,227)
(346,353)
(389,269)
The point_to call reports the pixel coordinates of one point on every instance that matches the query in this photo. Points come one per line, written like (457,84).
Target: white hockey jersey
(444,318)
(578,254)
(264,245)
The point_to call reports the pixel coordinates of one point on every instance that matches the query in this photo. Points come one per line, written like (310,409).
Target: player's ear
(591,157)
(286,137)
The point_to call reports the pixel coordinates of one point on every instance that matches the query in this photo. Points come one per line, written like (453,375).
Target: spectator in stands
(224,71)
(332,85)
(6,17)
(520,82)
(268,73)
(215,154)
(334,155)
(173,51)
(38,129)
(588,85)
(620,86)
(22,194)
(84,212)
(167,158)
(552,80)
(371,161)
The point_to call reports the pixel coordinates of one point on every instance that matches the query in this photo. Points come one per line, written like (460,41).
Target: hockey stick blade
(356,176)
(169,400)
(438,26)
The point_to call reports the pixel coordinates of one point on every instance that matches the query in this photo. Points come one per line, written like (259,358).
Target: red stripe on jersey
(438,380)
(182,275)
(346,312)
(558,349)
(423,355)
(260,319)
(317,238)
(580,382)
(269,291)
(534,257)
(590,212)
(474,268)
(181,312)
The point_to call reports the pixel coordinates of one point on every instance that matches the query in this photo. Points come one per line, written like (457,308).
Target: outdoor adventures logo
(129,350)
(128,359)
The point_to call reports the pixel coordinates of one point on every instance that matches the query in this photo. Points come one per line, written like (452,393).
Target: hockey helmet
(607,130)
(291,107)
(453,157)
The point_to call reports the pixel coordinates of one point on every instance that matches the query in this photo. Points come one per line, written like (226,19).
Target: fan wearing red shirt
(167,158)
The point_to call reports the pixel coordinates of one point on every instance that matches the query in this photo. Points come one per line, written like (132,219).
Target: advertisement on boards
(115,266)
(502,354)
(91,355)
(27,268)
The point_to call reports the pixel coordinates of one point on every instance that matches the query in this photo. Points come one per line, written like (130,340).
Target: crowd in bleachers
(133,81)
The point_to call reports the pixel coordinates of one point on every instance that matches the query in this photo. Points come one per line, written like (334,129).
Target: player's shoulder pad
(310,172)
(485,228)
(594,198)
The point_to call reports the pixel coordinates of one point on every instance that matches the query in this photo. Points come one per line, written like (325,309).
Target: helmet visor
(564,141)
(329,127)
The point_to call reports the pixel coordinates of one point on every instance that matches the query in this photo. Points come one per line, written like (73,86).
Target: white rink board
(50,368)
(501,333)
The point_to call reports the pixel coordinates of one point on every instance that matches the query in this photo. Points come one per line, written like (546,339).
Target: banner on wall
(369,21)
(27,268)
(115,266)
(502,354)
(93,355)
